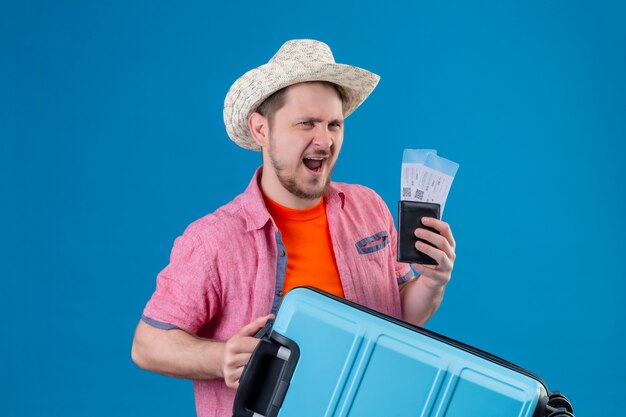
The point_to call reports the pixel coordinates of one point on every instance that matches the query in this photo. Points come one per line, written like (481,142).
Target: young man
(292,226)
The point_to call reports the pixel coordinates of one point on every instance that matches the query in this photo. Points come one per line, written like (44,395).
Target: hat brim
(252,88)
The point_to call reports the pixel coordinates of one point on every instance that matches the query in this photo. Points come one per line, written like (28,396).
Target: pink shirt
(228,268)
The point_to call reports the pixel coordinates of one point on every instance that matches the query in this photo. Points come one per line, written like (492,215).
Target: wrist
(431,285)
(214,356)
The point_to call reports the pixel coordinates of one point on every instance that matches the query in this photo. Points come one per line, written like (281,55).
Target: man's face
(305,138)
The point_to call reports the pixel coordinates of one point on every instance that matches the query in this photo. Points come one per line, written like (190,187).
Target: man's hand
(421,297)
(436,277)
(238,349)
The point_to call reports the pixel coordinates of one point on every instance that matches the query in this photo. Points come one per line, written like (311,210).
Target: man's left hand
(436,277)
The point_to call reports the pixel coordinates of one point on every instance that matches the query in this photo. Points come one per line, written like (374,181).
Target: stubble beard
(290,184)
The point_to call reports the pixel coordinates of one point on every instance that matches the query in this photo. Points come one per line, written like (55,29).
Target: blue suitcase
(326,357)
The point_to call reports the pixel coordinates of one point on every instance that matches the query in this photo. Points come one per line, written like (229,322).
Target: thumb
(254,326)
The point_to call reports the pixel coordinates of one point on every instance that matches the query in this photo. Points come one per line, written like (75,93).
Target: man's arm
(421,297)
(180,354)
(419,302)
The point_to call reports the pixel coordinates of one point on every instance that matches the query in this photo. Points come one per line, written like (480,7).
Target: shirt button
(280,293)
(282,252)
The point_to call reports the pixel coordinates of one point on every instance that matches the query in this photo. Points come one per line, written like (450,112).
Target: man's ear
(259,128)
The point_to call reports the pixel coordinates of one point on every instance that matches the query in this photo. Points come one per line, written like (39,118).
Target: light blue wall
(111,142)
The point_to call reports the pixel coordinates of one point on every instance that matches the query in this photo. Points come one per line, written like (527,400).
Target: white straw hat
(295,62)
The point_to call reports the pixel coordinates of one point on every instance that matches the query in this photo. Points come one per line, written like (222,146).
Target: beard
(288,181)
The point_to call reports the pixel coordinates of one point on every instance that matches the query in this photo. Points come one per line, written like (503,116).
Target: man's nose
(323,138)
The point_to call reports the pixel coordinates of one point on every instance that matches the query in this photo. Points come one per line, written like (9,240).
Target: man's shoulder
(226,219)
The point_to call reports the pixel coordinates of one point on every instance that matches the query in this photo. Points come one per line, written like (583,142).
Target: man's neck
(272,188)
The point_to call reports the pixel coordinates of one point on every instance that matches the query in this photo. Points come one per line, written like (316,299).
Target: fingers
(443,252)
(443,259)
(239,348)
(443,241)
(237,354)
(442,227)
(439,241)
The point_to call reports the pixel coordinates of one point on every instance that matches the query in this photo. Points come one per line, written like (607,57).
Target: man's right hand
(238,349)
(182,355)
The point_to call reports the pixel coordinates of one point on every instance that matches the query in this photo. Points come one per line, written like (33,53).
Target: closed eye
(307,123)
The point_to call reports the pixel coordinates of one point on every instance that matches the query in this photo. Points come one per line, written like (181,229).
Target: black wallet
(410,215)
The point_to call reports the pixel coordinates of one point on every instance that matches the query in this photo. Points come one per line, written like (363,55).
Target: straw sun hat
(295,62)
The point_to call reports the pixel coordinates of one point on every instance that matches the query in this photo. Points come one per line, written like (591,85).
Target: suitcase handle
(266,377)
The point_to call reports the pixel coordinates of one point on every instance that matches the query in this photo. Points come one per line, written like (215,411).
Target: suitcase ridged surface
(353,363)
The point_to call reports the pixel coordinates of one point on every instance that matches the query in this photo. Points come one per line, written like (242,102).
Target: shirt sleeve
(184,297)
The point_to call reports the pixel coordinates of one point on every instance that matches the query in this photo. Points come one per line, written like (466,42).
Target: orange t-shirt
(310,257)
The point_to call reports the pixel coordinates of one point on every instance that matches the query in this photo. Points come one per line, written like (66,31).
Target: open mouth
(314,164)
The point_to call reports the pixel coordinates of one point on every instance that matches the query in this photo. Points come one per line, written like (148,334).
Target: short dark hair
(276,101)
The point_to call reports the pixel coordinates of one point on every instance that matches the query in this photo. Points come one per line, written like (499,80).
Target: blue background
(112,141)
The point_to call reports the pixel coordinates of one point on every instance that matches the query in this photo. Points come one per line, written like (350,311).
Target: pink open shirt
(228,268)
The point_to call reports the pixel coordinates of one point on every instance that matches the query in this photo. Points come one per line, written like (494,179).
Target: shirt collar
(256,213)
(252,204)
